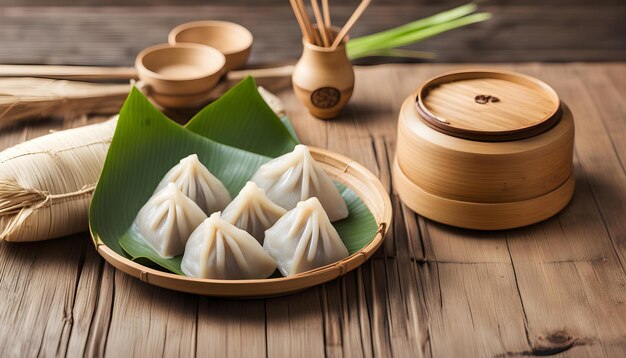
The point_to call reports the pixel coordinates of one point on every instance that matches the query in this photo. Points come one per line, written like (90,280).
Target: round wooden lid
(488,105)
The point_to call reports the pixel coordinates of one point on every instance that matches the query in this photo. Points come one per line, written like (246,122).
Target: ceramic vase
(323,79)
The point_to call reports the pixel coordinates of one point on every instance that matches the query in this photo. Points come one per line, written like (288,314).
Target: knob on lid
(488,105)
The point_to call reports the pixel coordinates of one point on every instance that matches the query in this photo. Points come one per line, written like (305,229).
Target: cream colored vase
(323,80)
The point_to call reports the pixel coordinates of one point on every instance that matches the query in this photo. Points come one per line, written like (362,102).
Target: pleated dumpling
(304,239)
(197,183)
(167,220)
(295,177)
(252,211)
(219,250)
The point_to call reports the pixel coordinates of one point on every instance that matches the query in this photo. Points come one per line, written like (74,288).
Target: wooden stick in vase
(315,38)
(320,23)
(353,19)
(327,22)
(303,28)
(326,11)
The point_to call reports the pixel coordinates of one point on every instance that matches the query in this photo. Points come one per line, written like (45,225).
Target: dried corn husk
(46,183)
(28,98)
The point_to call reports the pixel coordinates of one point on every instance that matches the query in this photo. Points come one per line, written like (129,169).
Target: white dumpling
(304,239)
(252,211)
(219,250)
(167,220)
(197,183)
(295,177)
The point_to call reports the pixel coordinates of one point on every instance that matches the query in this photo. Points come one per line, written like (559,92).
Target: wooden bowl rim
(522,132)
(349,169)
(245,45)
(216,55)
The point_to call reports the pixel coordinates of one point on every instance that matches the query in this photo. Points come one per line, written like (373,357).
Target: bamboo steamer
(485,149)
(342,169)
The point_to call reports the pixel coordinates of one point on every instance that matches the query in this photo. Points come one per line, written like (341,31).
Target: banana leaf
(232,137)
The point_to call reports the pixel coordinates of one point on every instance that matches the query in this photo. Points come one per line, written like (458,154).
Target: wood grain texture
(431,290)
(108,35)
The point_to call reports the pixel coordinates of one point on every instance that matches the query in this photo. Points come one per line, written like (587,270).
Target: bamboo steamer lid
(476,148)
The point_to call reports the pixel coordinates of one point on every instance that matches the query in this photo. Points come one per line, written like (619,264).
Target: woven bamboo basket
(485,149)
(341,169)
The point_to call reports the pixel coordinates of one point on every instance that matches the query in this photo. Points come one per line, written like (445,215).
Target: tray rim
(341,169)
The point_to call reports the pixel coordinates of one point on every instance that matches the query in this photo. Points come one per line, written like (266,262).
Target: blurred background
(112,32)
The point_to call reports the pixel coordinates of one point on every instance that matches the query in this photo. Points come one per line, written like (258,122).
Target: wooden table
(432,290)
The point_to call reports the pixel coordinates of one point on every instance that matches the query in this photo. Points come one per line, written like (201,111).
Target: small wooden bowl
(342,169)
(233,40)
(177,76)
(467,160)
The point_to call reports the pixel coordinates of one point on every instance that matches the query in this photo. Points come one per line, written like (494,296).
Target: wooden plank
(569,279)
(89,303)
(346,318)
(295,326)
(233,328)
(595,150)
(149,321)
(101,320)
(609,100)
(109,35)
(275,2)
(39,286)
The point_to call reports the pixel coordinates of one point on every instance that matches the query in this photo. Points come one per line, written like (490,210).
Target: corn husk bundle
(46,183)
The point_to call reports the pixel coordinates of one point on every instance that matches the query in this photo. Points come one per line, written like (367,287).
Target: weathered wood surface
(432,290)
(520,30)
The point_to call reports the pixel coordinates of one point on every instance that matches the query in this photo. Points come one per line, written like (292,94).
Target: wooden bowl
(184,72)
(485,165)
(233,40)
(342,169)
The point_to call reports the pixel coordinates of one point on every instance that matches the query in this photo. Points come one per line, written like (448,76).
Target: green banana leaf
(232,137)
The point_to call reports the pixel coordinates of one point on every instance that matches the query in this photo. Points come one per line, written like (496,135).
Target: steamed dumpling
(197,183)
(304,239)
(219,250)
(167,220)
(295,177)
(252,211)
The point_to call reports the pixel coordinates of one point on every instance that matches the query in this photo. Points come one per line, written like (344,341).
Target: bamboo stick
(351,21)
(300,20)
(307,22)
(320,23)
(326,11)
(79,73)
(327,21)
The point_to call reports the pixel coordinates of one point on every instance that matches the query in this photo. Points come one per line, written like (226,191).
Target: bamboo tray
(342,169)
